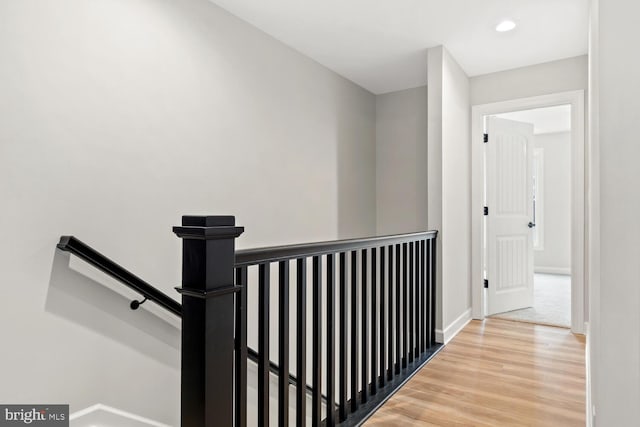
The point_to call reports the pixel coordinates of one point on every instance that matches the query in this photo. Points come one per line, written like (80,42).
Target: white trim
(454,328)
(115,411)
(587,365)
(551,270)
(594,231)
(576,99)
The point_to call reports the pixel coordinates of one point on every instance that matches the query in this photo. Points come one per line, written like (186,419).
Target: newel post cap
(212,227)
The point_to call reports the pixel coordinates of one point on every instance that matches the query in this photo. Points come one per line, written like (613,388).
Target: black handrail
(101,262)
(248,257)
(243,258)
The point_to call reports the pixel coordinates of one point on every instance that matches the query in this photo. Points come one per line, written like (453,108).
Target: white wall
(555,255)
(449,186)
(615,294)
(119,116)
(401,161)
(542,79)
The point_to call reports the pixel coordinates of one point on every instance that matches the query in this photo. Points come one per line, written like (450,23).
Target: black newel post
(208,258)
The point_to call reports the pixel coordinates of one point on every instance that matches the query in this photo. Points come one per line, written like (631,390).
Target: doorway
(541,235)
(532,249)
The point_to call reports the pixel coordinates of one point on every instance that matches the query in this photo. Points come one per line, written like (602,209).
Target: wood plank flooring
(496,373)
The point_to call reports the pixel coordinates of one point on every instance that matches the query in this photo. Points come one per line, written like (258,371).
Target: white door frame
(576,100)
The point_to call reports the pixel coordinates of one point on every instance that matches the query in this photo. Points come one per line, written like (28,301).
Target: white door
(509,164)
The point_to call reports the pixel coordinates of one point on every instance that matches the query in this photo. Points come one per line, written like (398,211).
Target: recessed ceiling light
(505,26)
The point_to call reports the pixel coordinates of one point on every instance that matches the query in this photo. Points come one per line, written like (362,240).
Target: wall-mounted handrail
(110,267)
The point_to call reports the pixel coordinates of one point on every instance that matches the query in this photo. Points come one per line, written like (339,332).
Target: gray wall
(401,156)
(555,256)
(117,117)
(550,77)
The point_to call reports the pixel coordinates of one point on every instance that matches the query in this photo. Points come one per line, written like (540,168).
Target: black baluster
(316,398)
(343,337)
(398,298)
(374,323)
(365,331)
(263,344)
(423,297)
(432,331)
(301,343)
(405,311)
(331,338)
(390,330)
(355,357)
(383,306)
(241,348)
(428,320)
(411,301)
(283,345)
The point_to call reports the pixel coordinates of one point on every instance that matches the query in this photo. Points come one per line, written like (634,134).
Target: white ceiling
(544,120)
(380,44)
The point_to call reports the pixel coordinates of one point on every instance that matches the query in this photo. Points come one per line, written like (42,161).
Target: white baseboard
(552,270)
(100,414)
(587,364)
(454,327)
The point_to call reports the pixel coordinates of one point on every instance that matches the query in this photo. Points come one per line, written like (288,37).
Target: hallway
(494,373)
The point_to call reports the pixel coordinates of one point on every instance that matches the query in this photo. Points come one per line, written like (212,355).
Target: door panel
(510,202)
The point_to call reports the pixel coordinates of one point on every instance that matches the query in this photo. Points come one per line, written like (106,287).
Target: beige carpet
(552,302)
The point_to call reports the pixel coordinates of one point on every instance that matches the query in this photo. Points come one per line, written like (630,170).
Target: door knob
(531,224)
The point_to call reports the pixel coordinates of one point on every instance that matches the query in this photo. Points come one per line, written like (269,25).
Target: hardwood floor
(496,373)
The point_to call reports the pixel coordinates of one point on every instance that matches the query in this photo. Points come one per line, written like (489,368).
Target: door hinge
(486,283)
(486,138)
(486,210)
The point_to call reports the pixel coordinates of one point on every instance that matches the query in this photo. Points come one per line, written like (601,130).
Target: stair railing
(379,334)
